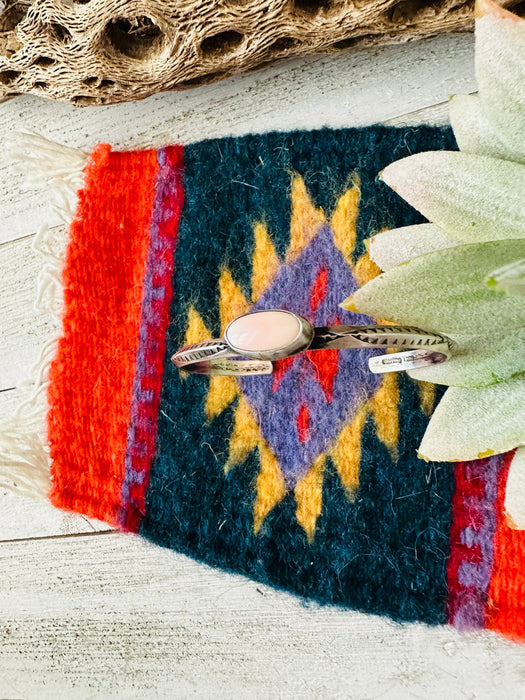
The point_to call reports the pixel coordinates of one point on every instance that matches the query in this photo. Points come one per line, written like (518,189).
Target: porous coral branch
(105,52)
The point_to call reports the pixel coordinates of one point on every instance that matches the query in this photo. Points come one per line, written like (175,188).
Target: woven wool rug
(307,479)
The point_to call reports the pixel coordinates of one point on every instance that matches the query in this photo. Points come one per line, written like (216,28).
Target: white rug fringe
(24,452)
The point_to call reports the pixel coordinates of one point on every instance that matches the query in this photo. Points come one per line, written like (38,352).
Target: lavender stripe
(475,577)
(156,268)
(470,616)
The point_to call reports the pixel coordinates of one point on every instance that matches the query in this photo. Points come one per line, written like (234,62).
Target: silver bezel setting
(300,343)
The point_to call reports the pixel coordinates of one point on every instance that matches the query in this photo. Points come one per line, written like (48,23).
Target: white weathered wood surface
(87,613)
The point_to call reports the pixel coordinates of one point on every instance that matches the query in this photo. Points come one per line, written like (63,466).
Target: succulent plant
(464,273)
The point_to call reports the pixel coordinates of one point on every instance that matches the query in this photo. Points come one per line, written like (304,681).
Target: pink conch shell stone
(263,331)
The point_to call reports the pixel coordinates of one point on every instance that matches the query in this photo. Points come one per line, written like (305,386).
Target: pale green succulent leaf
(446,291)
(500,73)
(473,423)
(391,248)
(475,134)
(479,360)
(472,198)
(515,491)
(509,278)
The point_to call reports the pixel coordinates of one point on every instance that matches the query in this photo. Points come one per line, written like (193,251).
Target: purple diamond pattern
(277,405)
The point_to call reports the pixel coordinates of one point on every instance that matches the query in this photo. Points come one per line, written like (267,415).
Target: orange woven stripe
(505,611)
(92,374)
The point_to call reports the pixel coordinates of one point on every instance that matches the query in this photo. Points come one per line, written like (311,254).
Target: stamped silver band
(255,344)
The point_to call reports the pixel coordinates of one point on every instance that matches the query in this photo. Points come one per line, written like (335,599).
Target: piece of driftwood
(106,51)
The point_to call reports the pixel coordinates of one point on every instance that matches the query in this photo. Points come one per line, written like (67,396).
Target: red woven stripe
(505,610)
(92,374)
(154,323)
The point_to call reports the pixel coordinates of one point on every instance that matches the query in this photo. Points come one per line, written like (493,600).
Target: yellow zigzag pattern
(246,436)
